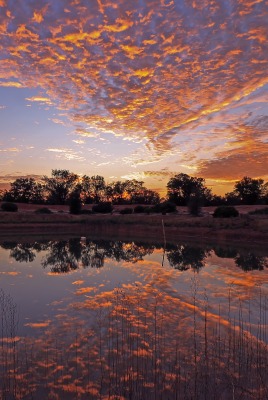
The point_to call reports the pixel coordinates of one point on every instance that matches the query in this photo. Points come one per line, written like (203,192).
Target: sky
(139,89)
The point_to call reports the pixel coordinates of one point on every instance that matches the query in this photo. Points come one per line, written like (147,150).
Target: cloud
(67,154)
(164,173)
(78,141)
(10,150)
(153,71)
(11,177)
(6,180)
(245,155)
(11,84)
(39,99)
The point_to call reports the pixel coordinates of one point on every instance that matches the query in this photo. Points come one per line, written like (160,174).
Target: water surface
(91,319)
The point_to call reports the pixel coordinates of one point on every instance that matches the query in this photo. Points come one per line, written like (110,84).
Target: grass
(262,211)
(253,228)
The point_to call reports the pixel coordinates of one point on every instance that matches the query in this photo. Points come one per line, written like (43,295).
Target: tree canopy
(182,187)
(60,186)
(25,190)
(249,190)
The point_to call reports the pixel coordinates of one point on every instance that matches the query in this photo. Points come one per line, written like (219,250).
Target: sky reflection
(130,326)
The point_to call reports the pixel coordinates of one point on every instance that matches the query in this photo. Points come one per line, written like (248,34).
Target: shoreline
(251,230)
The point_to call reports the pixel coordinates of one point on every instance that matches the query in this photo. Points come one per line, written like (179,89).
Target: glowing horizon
(139,91)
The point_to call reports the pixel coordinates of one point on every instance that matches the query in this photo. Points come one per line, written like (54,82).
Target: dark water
(87,319)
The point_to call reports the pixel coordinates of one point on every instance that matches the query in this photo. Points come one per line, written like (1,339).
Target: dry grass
(247,228)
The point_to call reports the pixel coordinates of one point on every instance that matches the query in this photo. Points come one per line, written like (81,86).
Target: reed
(140,346)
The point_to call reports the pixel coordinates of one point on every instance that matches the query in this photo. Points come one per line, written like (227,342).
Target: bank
(245,228)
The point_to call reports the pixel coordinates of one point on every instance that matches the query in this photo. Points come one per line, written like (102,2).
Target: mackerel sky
(134,89)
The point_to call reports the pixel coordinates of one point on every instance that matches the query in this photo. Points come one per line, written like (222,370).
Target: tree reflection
(67,255)
(24,252)
(21,252)
(251,262)
(130,252)
(93,255)
(225,252)
(62,256)
(184,257)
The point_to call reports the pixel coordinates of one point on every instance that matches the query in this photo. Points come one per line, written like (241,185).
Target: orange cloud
(156,72)
(11,84)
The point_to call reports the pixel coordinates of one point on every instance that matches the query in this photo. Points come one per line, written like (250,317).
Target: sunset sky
(134,89)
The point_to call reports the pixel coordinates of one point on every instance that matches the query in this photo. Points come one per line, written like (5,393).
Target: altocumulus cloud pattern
(189,78)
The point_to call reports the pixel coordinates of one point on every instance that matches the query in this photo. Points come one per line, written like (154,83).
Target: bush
(167,207)
(103,207)
(43,210)
(225,212)
(262,211)
(139,209)
(86,212)
(10,207)
(126,211)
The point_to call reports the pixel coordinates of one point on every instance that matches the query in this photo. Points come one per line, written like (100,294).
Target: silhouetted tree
(25,190)
(60,185)
(93,189)
(249,191)
(181,187)
(116,192)
(145,196)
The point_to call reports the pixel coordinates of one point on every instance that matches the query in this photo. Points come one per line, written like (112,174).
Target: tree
(60,185)
(25,190)
(181,187)
(116,192)
(145,196)
(133,187)
(249,191)
(93,188)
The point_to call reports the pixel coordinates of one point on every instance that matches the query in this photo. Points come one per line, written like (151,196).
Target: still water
(87,319)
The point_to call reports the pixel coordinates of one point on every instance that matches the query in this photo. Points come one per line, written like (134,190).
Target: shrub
(156,208)
(225,212)
(139,209)
(262,211)
(148,210)
(10,207)
(103,207)
(43,210)
(86,212)
(167,207)
(126,211)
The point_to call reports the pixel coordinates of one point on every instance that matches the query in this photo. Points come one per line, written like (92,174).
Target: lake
(102,319)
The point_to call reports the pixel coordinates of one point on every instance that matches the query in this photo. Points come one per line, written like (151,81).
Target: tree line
(183,190)
(68,255)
